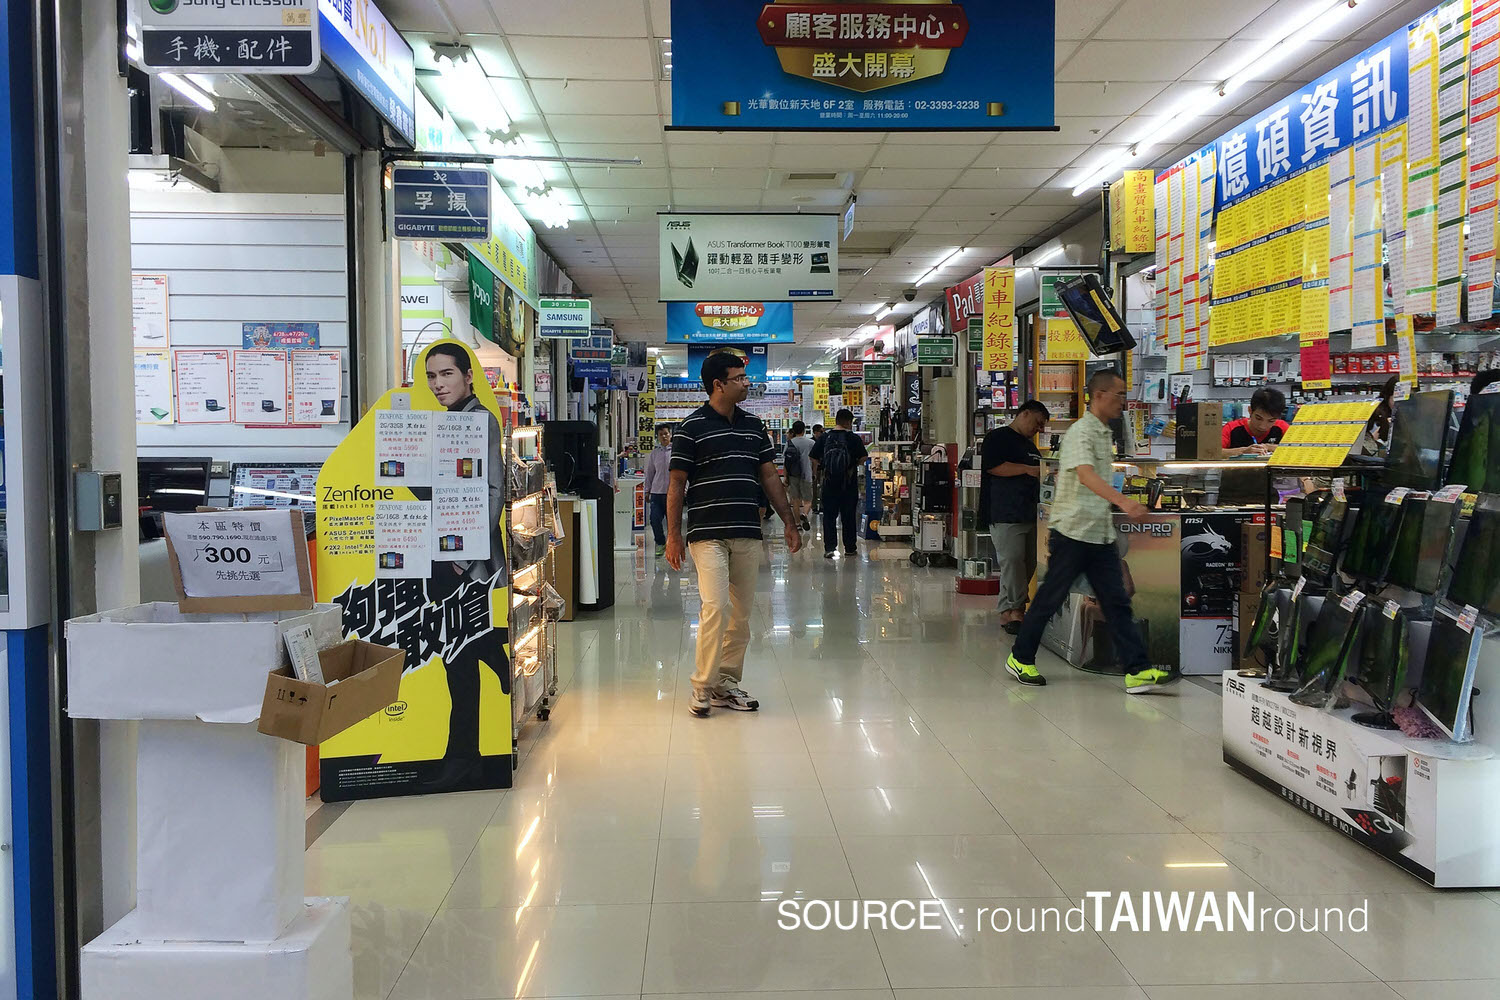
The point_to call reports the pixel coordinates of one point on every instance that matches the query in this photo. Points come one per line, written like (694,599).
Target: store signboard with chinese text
(567,319)
(589,357)
(729,323)
(965,299)
(370,53)
(1363,97)
(511,249)
(235,38)
(881,64)
(1132,218)
(279,336)
(939,351)
(880,373)
(443,203)
(748,257)
(999,319)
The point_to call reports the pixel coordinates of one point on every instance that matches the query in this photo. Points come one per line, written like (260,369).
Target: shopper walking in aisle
(799,489)
(658,475)
(838,455)
(1012,479)
(1082,543)
(721,461)
(817,481)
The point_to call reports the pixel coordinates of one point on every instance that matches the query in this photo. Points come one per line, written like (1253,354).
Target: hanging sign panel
(566,319)
(729,323)
(937,351)
(746,256)
(753,356)
(882,64)
(200,37)
(444,203)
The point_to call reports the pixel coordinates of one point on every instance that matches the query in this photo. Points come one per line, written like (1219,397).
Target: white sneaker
(735,699)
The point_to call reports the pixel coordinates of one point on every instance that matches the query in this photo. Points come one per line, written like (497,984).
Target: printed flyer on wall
(202,386)
(153,387)
(260,387)
(317,387)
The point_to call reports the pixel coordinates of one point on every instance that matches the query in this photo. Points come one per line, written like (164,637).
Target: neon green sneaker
(1026,673)
(1149,680)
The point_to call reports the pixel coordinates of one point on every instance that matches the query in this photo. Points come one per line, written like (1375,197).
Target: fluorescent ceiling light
(949,256)
(1052,254)
(884,310)
(468,92)
(187,90)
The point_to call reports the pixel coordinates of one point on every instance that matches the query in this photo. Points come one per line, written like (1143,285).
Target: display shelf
(532,621)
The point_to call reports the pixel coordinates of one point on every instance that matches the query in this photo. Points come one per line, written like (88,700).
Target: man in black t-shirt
(839,455)
(1012,489)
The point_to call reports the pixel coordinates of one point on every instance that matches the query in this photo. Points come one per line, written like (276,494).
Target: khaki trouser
(727,570)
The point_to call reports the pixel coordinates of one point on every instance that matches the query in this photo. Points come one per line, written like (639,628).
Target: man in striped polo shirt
(721,460)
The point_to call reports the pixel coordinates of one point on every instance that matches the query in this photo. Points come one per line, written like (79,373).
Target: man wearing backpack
(798,466)
(839,454)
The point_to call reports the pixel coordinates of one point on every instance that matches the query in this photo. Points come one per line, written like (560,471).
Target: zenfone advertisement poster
(441,594)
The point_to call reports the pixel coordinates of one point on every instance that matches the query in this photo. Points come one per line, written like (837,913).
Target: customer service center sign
(879,64)
(748,257)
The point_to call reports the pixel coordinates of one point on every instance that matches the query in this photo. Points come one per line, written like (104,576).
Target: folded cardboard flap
(368,679)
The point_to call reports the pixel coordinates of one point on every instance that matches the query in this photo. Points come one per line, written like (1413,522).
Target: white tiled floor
(643,851)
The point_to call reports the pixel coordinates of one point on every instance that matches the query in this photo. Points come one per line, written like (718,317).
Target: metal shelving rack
(533,623)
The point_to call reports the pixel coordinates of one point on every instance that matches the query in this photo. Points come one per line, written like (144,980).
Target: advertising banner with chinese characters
(729,323)
(279,38)
(965,301)
(367,50)
(279,336)
(511,249)
(748,257)
(999,319)
(442,203)
(890,65)
(820,393)
(1363,97)
(1131,213)
(389,500)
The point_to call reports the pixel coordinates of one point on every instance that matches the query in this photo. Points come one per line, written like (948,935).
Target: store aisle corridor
(643,851)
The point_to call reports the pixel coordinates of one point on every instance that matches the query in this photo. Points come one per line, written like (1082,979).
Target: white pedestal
(219,848)
(625,512)
(1445,827)
(311,961)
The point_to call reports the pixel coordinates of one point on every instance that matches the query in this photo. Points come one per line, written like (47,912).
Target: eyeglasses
(740,378)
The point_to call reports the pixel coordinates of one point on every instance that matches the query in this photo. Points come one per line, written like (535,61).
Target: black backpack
(792,459)
(838,462)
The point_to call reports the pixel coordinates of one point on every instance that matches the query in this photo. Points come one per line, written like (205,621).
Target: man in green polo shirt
(1082,543)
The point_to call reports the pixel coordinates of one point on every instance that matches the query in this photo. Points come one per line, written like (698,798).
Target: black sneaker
(736,699)
(806,524)
(829,554)
(850,552)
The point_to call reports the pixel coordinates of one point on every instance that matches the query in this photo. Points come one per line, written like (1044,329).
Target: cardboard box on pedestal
(367,676)
(1200,432)
(311,961)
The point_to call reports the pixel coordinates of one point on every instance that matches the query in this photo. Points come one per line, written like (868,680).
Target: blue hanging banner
(367,50)
(878,65)
(1365,96)
(442,203)
(729,323)
(754,357)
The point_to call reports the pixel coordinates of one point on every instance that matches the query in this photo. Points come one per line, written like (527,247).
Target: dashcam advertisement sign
(729,323)
(880,64)
(748,257)
(210,36)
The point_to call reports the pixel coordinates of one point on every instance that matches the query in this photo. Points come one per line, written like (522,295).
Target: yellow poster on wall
(411,469)
(999,319)
(1132,218)
(820,393)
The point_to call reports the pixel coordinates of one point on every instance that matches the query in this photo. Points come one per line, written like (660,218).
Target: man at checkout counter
(1261,431)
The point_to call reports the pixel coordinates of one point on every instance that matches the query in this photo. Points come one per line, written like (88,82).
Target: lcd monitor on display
(1421,550)
(1285,673)
(173,485)
(1384,652)
(1330,641)
(1095,315)
(1367,556)
(1476,452)
(1419,438)
(1448,674)
(1325,541)
(1476,572)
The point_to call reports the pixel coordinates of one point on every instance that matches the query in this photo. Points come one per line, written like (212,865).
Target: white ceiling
(580,78)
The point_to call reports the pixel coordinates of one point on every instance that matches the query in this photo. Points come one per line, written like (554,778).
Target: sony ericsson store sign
(879,64)
(215,36)
(370,53)
(748,257)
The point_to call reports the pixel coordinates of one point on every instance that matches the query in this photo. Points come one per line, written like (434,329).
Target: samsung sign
(566,319)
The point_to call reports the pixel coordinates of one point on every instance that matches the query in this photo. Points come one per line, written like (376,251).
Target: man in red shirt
(1258,433)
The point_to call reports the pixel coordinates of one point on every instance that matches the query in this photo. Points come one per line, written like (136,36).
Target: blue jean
(659,517)
(1067,560)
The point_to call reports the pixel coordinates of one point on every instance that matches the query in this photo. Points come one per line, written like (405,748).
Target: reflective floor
(643,851)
